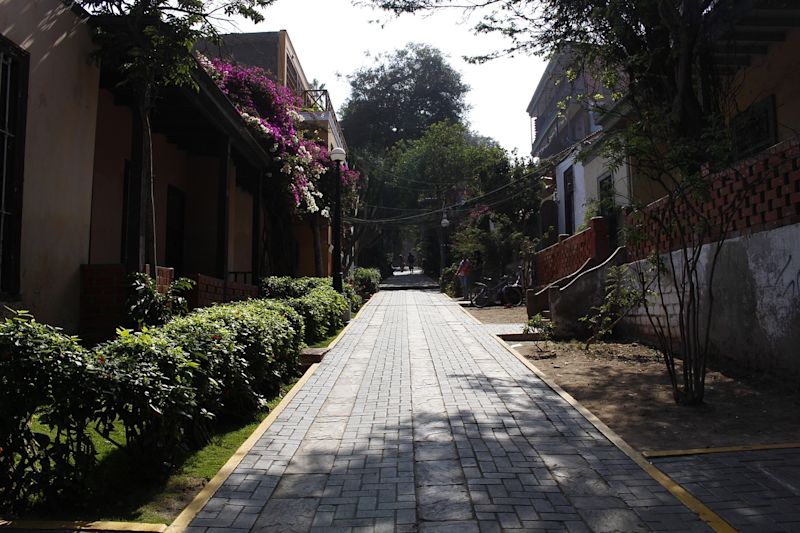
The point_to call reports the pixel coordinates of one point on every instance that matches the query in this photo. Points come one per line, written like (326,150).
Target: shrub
(146,386)
(449,282)
(366,281)
(46,374)
(284,287)
(149,307)
(269,334)
(356,301)
(221,382)
(323,311)
(163,386)
(281,287)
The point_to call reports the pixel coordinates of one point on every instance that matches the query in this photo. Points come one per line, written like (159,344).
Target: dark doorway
(176,209)
(569,201)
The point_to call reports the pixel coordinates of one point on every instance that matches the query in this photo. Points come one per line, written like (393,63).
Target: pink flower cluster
(271,112)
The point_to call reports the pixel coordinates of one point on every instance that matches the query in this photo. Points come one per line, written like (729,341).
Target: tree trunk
(147,222)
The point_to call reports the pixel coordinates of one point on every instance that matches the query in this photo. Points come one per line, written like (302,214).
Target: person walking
(411,261)
(463,272)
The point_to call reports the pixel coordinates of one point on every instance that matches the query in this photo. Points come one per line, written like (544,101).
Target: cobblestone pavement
(752,491)
(417,420)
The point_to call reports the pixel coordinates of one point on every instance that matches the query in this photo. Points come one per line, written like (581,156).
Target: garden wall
(771,199)
(756,320)
(104,292)
(569,254)
(209,290)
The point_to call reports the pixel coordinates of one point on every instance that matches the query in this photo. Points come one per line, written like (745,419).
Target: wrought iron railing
(319,101)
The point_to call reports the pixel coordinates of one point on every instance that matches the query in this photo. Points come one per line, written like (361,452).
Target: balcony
(318,112)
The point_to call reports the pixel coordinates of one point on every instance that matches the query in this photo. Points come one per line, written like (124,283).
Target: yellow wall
(59,150)
(778,73)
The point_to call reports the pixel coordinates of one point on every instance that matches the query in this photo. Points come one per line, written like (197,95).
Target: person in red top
(463,272)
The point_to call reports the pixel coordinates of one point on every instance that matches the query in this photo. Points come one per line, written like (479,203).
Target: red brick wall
(568,255)
(164,277)
(104,289)
(759,193)
(209,290)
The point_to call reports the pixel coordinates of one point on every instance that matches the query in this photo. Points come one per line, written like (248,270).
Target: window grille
(13,107)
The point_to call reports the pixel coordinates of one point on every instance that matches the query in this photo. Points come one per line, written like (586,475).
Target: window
(13,106)
(292,79)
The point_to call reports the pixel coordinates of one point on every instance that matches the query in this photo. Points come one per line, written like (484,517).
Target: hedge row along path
(417,420)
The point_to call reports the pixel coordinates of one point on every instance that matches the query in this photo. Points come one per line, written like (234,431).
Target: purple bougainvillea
(271,113)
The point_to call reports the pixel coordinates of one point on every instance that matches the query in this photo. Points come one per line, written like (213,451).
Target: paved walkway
(752,491)
(418,420)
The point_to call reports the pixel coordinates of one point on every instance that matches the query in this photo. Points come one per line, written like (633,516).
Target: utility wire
(544,164)
(354,220)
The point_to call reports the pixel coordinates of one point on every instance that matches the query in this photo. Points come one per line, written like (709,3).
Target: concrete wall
(756,319)
(59,150)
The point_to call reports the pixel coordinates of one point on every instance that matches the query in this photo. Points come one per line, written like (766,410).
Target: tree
(397,98)
(672,110)
(149,43)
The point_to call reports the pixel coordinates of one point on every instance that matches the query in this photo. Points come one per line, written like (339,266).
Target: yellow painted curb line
(716,522)
(187,515)
(83,526)
(722,449)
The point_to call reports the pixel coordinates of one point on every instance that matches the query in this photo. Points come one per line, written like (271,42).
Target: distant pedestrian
(463,272)
(411,261)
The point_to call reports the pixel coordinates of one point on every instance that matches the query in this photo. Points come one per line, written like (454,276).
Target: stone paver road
(418,420)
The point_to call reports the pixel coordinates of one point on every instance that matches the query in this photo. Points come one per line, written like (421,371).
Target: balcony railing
(319,101)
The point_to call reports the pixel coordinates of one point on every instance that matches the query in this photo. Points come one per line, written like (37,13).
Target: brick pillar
(599,231)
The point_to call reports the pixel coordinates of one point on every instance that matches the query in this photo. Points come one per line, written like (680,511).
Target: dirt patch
(499,315)
(627,387)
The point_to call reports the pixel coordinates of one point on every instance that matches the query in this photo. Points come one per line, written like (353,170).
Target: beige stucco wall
(196,176)
(59,154)
(112,148)
(778,73)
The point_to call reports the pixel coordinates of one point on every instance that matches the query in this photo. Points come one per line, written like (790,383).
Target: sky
(333,38)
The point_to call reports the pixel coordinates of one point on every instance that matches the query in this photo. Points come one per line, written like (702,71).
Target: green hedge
(286,287)
(164,386)
(323,311)
(46,374)
(281,287)
(366,281)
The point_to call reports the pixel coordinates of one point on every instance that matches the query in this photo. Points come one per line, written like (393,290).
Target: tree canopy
(400,96)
